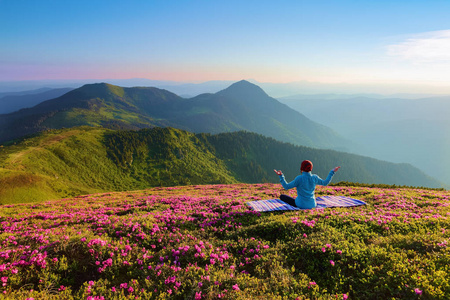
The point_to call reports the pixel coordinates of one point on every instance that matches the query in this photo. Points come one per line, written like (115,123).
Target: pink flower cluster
(153,241)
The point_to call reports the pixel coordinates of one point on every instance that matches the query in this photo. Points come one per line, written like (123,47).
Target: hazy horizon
(373,47)
(276,90)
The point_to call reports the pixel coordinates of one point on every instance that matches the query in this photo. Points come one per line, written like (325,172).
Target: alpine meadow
(237,150)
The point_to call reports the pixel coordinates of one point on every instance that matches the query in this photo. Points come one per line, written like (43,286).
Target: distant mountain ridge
(241,106)
(414,131)
(25,92)
(16,101)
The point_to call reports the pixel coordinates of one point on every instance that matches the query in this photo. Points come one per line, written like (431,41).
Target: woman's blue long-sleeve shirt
(306,185)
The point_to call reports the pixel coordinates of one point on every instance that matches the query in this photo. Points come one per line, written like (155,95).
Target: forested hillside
(252,158)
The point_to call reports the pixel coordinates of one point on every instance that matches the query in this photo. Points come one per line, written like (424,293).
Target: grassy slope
(106,115)
(57,165)
(70,162)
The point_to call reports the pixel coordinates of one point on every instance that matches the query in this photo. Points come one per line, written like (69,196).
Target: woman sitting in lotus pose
(305,184)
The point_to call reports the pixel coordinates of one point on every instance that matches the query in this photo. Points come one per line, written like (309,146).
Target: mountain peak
(243,88)
(101,89)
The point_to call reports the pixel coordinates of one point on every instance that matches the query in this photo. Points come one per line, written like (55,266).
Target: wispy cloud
(430,47)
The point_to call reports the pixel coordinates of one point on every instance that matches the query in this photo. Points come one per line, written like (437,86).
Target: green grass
(70,162)
(80,117)
(22,187)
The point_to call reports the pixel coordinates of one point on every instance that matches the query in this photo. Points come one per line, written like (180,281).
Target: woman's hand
(335,169)
(278,172)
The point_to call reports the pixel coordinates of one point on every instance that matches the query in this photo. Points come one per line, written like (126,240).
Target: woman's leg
(288,199)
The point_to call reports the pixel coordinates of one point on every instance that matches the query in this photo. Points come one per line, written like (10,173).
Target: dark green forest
(165,157)
(249,157)
(252,157)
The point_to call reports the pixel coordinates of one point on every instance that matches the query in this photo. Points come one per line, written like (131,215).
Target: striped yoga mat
(322,202)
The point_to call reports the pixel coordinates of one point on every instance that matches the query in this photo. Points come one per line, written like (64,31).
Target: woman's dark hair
(306,166)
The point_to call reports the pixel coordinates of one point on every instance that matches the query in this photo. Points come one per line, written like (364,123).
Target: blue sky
(405,42)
